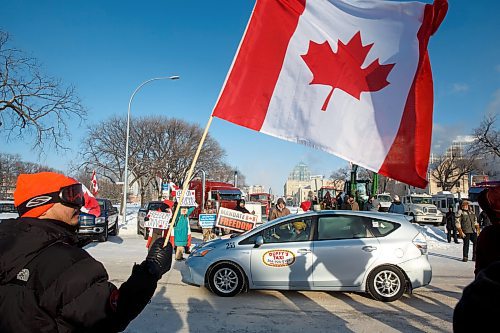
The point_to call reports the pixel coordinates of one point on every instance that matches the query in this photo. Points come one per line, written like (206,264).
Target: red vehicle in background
(223,194)
(265,199)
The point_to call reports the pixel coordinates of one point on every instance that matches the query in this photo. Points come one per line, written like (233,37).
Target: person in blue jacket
(181,231)
(397,206)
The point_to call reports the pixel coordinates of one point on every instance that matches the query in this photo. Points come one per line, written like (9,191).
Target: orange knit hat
(31,185)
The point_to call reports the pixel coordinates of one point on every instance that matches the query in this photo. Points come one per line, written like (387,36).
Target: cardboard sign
(158,220)
(234,220)
(188,200)
(207,220)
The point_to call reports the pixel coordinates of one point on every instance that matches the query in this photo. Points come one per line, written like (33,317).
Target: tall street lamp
(125,174)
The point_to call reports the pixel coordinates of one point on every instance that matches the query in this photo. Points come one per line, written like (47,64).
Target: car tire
(386,283)
(104,236)
(226,279)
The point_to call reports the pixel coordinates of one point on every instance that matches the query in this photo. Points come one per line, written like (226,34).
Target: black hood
(23,238)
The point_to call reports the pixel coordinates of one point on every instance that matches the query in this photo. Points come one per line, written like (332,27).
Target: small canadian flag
(95,187)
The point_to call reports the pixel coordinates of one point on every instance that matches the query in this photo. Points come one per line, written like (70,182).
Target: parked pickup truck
(98,228)
(143,212)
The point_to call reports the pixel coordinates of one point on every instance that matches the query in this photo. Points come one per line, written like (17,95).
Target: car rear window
(381,228)
(343,227)
(154,206)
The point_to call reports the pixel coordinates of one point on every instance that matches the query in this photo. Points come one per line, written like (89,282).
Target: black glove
(159,258)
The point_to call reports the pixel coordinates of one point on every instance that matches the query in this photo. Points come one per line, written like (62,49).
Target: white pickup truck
(420,207)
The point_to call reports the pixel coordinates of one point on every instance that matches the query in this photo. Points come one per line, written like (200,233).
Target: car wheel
(104,236)
(386,283)
(226,280)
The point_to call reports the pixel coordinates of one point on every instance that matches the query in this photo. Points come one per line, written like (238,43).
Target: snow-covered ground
(185,308)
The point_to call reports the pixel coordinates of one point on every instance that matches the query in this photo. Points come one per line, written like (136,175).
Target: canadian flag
(95,187)
(352,78)
(91,203)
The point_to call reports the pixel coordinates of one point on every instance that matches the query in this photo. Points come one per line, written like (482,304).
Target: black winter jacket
(49,284)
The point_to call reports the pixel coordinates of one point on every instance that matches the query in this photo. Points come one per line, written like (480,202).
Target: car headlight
(100,220)
(201,252)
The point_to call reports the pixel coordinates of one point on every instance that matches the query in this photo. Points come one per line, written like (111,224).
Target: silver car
(379,253)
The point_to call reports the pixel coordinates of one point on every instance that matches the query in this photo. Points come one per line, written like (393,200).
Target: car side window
(381,228)
(297,230)
(343,227)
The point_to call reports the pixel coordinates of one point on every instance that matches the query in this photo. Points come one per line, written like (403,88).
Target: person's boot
(464,259)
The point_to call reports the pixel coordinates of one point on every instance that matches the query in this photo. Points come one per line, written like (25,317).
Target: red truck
(223,194)
(265,199)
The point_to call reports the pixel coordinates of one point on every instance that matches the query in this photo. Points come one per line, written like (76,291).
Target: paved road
(177,307)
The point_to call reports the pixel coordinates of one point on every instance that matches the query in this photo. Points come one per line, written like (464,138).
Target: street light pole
(125,173)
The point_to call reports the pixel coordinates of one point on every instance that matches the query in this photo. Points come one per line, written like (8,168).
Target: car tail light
(421,243)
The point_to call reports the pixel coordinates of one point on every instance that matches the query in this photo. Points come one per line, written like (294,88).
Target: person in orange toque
(47,282)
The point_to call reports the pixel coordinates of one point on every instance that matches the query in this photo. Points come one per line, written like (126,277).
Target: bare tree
(31,103)
(450,168)
(487,138)
(339,176)
(11,166)
(160,148)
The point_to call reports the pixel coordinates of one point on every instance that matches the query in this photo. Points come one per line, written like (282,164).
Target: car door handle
(304,251)
(369,248)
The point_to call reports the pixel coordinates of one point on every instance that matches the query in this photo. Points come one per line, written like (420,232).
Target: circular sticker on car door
(278,258)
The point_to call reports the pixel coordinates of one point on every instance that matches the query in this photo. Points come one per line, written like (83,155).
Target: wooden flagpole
(186,180)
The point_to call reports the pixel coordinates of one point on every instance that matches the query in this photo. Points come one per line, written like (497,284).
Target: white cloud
(459,88)
(443,135)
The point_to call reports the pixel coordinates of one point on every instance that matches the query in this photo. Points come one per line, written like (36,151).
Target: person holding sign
(155,233)
(208,233)
(181,230)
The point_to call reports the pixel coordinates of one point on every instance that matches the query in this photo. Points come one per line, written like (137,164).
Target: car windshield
(421,200)
(7,208)
(102,205)
(384,198)
(229,194)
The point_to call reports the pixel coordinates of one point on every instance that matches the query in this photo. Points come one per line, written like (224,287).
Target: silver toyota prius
(379,253)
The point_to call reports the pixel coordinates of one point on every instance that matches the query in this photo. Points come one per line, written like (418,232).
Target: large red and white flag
(95,187)
(352,78)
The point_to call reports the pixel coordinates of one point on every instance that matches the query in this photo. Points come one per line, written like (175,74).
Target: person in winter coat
(488,245)
(467,227)
(47,282)
(350,203)
(181,230)
(372,204)
(240,206)
(451,227)
(480,298)
(484,220)
(397,207)
(279,210)
(208,233)
(154,233)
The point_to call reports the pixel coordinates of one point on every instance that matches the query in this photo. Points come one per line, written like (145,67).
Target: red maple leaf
(343,70)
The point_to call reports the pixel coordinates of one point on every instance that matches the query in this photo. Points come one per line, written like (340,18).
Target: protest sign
(158,220)
(188,200)
(207,220)
(234,220)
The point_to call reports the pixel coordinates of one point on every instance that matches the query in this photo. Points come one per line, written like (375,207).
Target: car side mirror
(259,241)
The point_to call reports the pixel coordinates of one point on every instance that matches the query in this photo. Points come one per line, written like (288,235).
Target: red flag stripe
(264,47)
(411,147)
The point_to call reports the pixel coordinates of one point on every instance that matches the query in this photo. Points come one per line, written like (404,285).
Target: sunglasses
(70,196)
